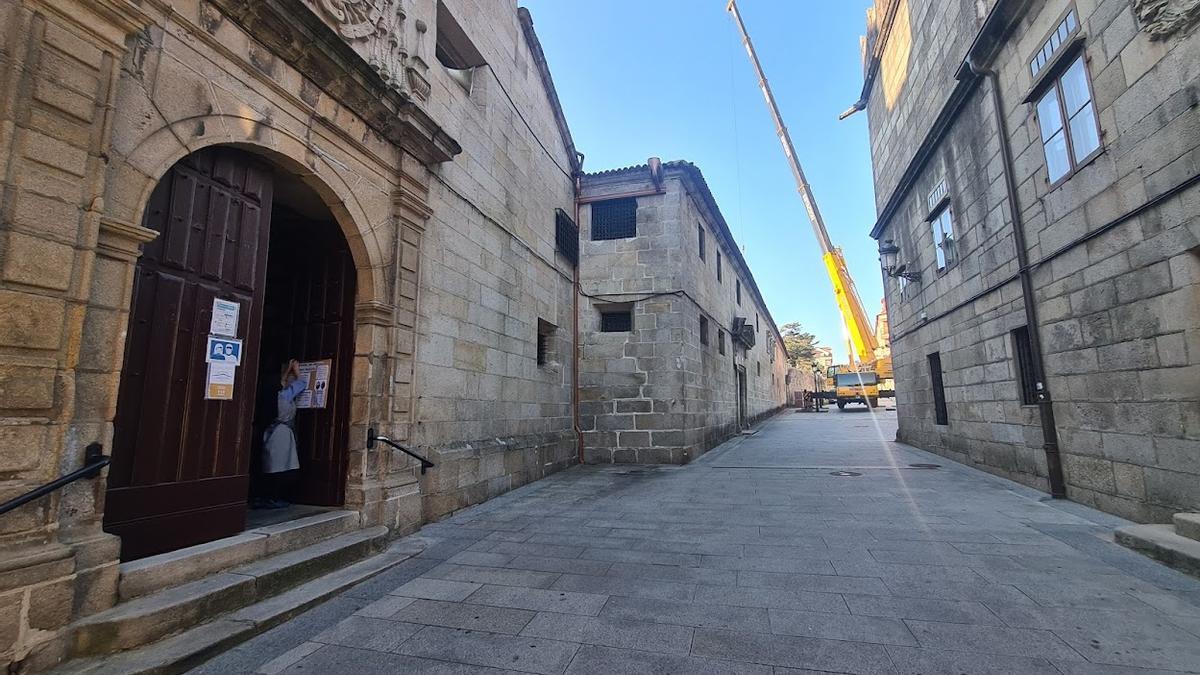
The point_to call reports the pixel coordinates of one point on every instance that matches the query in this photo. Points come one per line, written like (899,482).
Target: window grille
(1026,372)
(614,219)
(616,321)
(566,236)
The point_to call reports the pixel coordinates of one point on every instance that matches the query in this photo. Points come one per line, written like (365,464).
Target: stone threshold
(1176,545)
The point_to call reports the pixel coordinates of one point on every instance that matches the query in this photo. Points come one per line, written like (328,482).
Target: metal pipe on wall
(1054,468)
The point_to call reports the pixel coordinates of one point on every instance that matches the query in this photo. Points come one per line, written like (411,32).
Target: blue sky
(668,78)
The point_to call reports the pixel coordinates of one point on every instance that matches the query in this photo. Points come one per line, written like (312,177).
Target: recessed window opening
(614,219)
(1066,116)
(566,236)
(616,319)
(545,342)
(700,234)
(718,267)
(940,416)
(454,49)
(721,341)
(704,330)
(1026,373)
(737,291)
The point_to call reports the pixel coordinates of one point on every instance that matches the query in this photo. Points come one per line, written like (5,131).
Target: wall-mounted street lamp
(889,254)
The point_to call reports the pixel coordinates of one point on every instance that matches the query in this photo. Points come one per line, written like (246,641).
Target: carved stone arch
(131,180)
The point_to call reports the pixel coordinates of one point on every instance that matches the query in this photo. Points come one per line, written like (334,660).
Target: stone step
(149,575)
(152,617)
(1164,544)
(195,645)
(1188,525)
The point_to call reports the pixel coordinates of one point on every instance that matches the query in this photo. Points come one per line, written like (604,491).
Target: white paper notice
(225,317)
(316,374)
(219,386)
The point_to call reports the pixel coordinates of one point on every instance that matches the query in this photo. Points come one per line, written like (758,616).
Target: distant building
(678,348)
(1035,162)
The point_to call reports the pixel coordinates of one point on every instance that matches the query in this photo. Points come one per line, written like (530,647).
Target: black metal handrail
(372,437)
(94,459)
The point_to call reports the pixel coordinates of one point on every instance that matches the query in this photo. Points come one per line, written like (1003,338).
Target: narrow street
(814,545)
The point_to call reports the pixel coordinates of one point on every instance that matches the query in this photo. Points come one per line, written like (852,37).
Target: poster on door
(219,383)
(316,374)
(224,321)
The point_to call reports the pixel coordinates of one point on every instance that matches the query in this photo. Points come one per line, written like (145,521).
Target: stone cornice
(375,313)
(291,31)
(122,240)
(107,22)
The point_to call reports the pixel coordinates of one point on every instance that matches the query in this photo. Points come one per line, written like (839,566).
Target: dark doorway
(182,463)
(309,316)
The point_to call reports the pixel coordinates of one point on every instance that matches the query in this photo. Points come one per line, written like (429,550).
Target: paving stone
(688,614)
(366,633)
(840,627)
(527,654)
(949,611)
(540,600)
(696,575)
(813,582)
(480,559)
(464,615)
(543,550)
(779,598)
(991,640)
(913,661)
(627,587)
(1141,645)
(781,650)
(564,565)
(336,659)
(594,660)
(385,607)
(651,637)
(436,589)
(493,575)
(794,565)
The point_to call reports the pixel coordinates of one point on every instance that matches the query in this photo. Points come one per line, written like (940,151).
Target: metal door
(180,466)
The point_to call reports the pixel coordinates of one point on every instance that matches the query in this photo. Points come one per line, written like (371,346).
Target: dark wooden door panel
(179,461)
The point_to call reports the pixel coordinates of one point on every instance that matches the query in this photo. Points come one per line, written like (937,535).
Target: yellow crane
(869,364)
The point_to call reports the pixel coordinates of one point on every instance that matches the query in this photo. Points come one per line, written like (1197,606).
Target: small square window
(704,330)
(614,219)
(616,320)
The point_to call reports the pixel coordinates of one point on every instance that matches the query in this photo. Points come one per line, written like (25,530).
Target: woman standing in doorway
(280,460)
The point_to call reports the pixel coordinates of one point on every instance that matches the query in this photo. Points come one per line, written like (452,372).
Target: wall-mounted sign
(225,317)
(316,373)
(223,350)
(219,384)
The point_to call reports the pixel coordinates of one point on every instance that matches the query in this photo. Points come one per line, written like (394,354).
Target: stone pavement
(755,559)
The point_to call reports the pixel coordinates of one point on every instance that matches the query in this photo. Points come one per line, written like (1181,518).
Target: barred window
(614,219)
(616,320)
(566,236)
(1026,372)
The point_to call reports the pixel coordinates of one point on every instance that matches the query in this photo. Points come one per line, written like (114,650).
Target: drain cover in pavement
(844,473)
(926,466)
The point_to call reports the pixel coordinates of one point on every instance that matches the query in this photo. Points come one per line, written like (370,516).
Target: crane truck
(870,366)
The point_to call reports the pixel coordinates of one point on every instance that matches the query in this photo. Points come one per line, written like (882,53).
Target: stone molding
(375,313)
(1163,18)
(117,19)
(122,240)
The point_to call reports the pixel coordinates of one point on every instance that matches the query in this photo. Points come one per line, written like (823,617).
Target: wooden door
(309,316)
(180,467)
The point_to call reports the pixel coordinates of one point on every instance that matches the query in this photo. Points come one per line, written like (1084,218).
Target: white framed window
(1066,116)
(943,237)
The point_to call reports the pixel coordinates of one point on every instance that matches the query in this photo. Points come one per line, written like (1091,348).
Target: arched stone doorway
(235,228)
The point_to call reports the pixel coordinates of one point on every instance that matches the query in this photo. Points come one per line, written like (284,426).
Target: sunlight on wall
(894,63)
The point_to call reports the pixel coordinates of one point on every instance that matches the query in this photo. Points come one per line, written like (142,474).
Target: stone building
(679,351)
(1036,166)
(371,183)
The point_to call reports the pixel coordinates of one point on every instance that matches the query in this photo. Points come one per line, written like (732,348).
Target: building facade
(1036,164)
(678,349)
(371,185)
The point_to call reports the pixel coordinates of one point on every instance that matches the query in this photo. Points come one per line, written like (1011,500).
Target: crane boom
(862,335)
